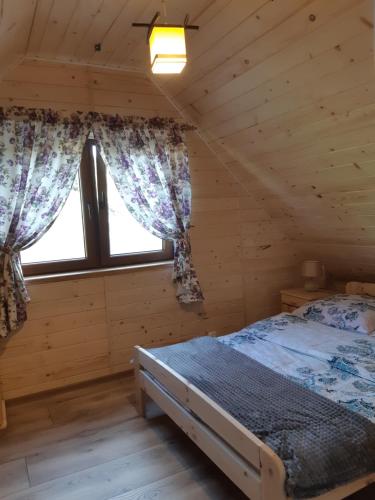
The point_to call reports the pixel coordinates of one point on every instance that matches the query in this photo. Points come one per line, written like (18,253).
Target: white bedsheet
(335,363)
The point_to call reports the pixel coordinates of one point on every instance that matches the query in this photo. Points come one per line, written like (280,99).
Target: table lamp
(313,271)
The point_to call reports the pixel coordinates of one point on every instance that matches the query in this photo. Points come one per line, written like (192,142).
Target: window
(94,228)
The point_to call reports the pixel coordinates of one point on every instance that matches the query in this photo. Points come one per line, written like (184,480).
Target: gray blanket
(321,443)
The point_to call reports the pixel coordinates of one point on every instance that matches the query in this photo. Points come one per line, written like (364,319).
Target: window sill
(94,273)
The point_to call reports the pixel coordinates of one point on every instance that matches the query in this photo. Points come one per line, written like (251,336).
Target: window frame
(93,188)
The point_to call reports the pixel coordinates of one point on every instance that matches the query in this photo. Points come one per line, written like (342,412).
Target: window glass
(94,228)
(65,240)
(126,235)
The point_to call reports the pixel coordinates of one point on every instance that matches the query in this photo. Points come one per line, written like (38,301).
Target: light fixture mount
(153,24)
(167,44)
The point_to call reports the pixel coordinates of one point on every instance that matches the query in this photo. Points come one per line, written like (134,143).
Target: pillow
(355,313)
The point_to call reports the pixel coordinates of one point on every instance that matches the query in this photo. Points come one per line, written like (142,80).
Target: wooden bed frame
(244,458)
(3,415)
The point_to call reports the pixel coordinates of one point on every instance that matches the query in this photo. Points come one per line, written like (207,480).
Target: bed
(332,363)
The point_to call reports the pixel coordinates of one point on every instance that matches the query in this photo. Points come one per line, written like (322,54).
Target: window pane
(126,235)
(65,240)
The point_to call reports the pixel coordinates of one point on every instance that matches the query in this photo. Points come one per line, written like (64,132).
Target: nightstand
(296,297)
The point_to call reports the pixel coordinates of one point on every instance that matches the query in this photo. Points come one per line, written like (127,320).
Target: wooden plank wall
(85,328)
(70,87)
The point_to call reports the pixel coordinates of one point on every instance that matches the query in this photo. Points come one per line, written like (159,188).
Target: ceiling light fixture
(167,45)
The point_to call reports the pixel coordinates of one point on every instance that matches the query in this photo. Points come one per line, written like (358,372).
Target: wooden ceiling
(67,30)
(282,89)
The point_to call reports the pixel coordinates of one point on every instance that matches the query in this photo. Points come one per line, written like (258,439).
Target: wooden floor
(87,443)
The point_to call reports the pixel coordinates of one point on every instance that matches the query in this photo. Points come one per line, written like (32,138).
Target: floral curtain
(148,161)
(40,153)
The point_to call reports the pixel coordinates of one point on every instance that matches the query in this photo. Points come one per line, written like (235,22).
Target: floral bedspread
(337,364)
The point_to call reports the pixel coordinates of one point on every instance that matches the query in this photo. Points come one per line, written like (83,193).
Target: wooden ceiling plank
(341,186)
(332,45)
(214,37)
(320,70)
(262,72)
(344,103)
(79,25)
(132,39)
(42,13)
(351,76)
(14,32)
(325,182)
(288,29)
(200,77)
(56,26)
(304,169)
(230,50)
(357,154)
(15,26)
(328,146)
(330,126)
(231,15)
(116,37)
(102,21)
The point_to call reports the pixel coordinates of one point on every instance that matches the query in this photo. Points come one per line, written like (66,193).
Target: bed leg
(140,395)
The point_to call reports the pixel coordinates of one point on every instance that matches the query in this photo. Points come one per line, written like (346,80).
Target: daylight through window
(94,228)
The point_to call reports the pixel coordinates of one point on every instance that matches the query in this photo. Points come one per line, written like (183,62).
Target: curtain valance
(87,118)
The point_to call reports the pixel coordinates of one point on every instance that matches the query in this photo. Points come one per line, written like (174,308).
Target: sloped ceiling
(283,90)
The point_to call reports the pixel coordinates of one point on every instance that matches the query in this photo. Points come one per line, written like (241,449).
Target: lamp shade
(167,49)
(311,269)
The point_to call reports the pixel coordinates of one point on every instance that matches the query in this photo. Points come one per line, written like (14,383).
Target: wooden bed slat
(239,471)
(3,415)
(229,429)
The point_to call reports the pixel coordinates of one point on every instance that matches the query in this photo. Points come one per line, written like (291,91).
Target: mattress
(334,363)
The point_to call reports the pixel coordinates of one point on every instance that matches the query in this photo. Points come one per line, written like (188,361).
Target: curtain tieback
(183,238)
(12,271)
(7,251)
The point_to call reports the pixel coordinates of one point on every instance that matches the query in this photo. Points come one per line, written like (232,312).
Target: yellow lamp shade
(167,49)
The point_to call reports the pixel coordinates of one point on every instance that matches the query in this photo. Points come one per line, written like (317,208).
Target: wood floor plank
(96,446)
(13,477)
(117,476)
(92,406)
(200,483)
(90,445)
(25,443)
(27,418)
(124,382)
(26,437)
